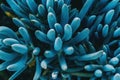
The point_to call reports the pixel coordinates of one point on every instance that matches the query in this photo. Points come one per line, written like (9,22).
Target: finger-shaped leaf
(67,32)
(51,10)
(16,8)
(41,10)
(54,74)
(91,19)
(85,8)
(73,13)
(22,49)
(91,56)
(24,33)
(103,59)
(109,16)
(116,76)
(51,20)
(18,22)
(108,67)
(7,56)
(80,36)
(5,8)
(17,73)
(58,28)
(117,51)
(98,73)
(82,50)
(58,44)
(38,70)
(116,32)
(32,17)
(36,51)
(110,5)
(64,15)
(4,65)
(75,24)
(92,67)
(10,41)
(69,50)
(18,65)
(114,61)
(51,34)
(44,63)
(33,8)
(6,32)
(49,54)
(36,23)
(62,62)
(50,3)
(105,31)
(41,36)
(99,28)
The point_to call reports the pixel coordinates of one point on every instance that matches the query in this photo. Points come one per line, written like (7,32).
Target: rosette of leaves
(72,50)
(16,50)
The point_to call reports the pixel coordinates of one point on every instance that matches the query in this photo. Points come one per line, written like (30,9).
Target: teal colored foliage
(62,42)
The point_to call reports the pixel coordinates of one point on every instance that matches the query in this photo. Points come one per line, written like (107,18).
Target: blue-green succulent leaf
(64,15)
(75,24)
(24,33)
(92,67)
(108,67)
(98,73)
(38,70)
(18,22)
(41,10)
(51,34)
(116,76)
(105,31)
(58,44)
(6,32)
(58,28)
(22,49)
(91,56)
(49,54)
(36,51)
(116,33)
(7,56)
(67,32)
(16,8)
(109,16)
(85,8)
(10,41)
(62,62)
(114,61)
(51,20)
(110,5)
(41,36)
(80,36)
(50,3)
(69,50)
(33,8)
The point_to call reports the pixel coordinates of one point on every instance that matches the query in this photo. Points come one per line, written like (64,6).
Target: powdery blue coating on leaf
(33,8)
(67,32)
(105,31)
(22,49)
(58,44)
(109,16)
(51,34)
(51,20)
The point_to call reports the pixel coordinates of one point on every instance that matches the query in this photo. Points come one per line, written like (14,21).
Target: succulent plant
(64,42)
